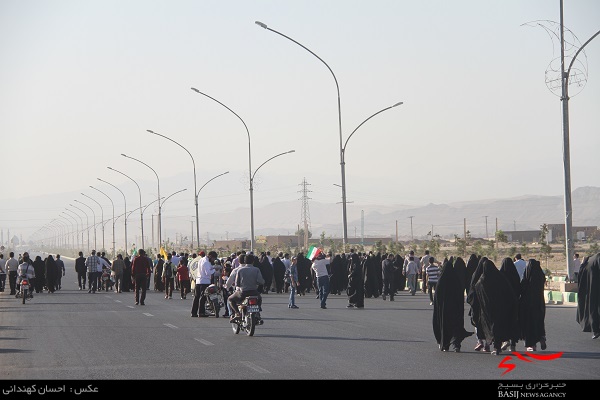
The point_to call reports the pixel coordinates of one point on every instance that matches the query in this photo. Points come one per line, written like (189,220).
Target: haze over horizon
(84,81)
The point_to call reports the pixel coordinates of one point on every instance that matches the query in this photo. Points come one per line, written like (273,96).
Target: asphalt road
(74,335)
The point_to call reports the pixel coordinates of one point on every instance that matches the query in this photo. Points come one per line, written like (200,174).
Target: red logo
(542,357)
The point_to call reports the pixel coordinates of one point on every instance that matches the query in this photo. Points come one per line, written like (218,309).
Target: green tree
(461,247)
(322,239)
(524,250)
(478,248)
(434,247)
(300,232)
(594,249)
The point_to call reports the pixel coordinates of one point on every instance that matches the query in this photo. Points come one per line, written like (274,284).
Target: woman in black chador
(127,284)
(338,272)
(472,263)
(278,273)
(509,270)
(588,294)
(51,272)
(448,310)
(498,305)
(532,306)
(461,272)
(356,283)
(372,279)
(400,278)
(475,310)
(304,276)
(40,274)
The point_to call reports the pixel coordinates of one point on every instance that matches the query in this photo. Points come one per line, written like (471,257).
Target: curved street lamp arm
(305,48)
(280,154)
(178,144)
(578,51)
(361,124)
(149,204)
(126,156)
(179,191)
(233,112)
(197,194)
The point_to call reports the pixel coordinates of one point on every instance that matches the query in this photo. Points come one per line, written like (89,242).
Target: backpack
(168,270)
(287,278)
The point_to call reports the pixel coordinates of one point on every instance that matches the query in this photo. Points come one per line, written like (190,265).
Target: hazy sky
(82,81)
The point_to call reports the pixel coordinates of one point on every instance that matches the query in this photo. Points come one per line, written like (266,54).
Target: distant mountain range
(284,218)
(517,213)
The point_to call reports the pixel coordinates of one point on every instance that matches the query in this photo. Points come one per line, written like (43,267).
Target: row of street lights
(252,174)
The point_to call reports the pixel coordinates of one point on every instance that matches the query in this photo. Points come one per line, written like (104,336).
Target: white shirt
(287,262)
(175,260)
(576,264)
(2,264)
(206,271)
(520,265)
(12,264)
(320,267)
(26,269)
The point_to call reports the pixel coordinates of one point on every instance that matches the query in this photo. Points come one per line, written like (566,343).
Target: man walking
(94,269)
(411,270)
(319,266)
(140,272)
(61,271)
(205,271)
(11,269)
(81,270)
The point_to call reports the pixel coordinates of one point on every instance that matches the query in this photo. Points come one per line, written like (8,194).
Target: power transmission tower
(305,214)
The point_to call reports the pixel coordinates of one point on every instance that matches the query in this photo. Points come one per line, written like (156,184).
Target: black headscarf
(461,271)
(472,263)
(448,309)
(588,294)
(498,309)
(510,272)
(356,283)
(532,305)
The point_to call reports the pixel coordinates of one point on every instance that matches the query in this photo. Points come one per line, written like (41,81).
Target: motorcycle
(214,300)
(107,280)
(249,316)
(24,292)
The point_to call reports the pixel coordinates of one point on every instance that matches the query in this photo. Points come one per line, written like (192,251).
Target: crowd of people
(505,305)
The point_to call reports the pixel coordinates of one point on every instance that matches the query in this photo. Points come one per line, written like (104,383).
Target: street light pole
(569,250)
(344,215)
(342,147)
(251,195)
(412,237)
(94,214)
(125,202)
(101,219)
(113,221)
(195,195)
(249,164)
(87,224)
(158,199)
(80,219)
(74,234)
(140,192)
(76,227)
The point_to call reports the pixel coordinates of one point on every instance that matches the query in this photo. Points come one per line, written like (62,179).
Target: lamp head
(148,130)
(261,24)
(195,90)
(398,104)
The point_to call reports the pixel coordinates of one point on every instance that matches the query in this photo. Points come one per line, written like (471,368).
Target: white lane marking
(204,342)
(131,306)
(255,367)
(118,301)
(171,326)
(148,314)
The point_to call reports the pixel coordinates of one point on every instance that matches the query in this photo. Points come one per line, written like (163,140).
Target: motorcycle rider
(246,278)
(26,269)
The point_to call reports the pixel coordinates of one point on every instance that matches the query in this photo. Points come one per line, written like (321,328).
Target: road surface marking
(171,326)
(255,367)
(148,314)
(204,342)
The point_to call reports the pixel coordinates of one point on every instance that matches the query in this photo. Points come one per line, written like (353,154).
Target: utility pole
(486,228)
(396,230)
(412,237)
(305,211)
(465,229)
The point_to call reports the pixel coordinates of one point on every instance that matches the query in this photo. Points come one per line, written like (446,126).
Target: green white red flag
(313,252)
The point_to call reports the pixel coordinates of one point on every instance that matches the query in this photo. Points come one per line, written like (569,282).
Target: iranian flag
(313,252)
